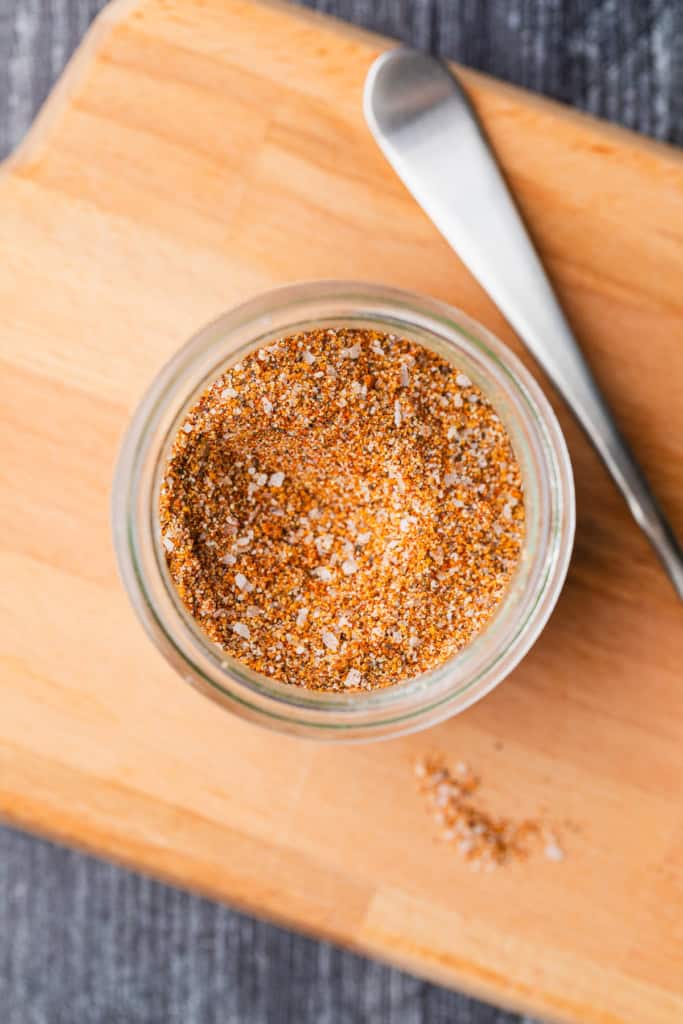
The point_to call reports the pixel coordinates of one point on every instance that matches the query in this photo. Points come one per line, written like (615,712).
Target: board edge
(477,83)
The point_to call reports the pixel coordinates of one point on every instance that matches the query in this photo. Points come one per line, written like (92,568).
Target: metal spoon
(428,132)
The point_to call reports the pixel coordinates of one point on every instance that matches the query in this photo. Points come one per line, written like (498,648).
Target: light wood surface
(193,155)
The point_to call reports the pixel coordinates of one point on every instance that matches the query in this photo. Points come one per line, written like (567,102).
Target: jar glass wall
(528,601)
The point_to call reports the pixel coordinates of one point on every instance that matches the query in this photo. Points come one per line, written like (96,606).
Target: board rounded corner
(42,129)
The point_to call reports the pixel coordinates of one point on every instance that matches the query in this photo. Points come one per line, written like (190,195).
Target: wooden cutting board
(194,154)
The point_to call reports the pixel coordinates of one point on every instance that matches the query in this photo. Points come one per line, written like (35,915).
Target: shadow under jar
(527,603)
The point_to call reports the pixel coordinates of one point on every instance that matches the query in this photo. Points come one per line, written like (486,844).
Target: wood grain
(194,154)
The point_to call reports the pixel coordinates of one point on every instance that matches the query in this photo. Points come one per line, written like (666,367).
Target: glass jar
(528,601)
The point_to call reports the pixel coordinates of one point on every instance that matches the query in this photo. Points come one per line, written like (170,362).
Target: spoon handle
(424,124)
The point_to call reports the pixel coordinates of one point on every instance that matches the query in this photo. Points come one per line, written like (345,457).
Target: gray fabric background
(82,942)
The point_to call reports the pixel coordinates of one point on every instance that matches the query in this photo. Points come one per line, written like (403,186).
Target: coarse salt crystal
(450,479)
(253,611)
(188,428)
(405,376)
(377,348)
(395,474)
(353,677)
(260,479)
(397,413)
(168,543)
(277,479)
(228,393)
(308,357)
(323,543)
(322,573)
(241,629)
(452,434)
(462,381)
(349,566)
(228,559)
(301,617)
(353,352)
(554,851)
(243,583)
(331,372)
(267,406)
(363,538)
(330,640)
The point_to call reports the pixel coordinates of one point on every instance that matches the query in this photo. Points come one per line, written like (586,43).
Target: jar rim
(529,598)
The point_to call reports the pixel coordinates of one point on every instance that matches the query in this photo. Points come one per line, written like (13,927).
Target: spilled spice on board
(342,510)
(484,840)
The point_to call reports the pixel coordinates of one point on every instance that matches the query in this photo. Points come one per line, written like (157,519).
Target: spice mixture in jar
(342,510)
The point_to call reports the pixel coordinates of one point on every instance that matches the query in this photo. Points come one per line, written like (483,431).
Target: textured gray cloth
(82,942)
